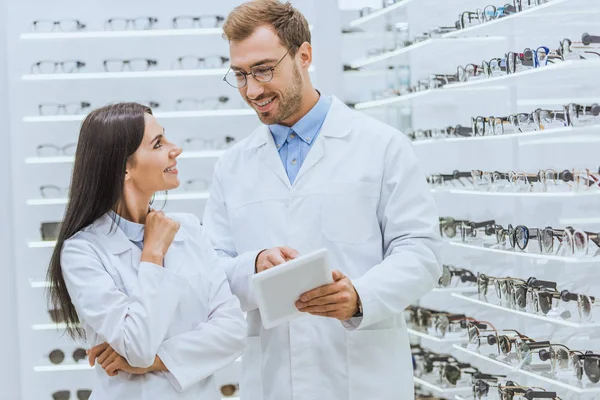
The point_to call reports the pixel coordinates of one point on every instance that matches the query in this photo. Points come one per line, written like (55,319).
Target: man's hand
(112,362)
(272,257)
(337,300)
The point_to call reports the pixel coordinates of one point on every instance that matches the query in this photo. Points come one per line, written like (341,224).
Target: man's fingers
(113,367)
(319,292)
(337,275)
(289,253)
(336,298)
(321,309)
(275,258)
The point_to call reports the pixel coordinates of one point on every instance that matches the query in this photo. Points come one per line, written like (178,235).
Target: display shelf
(436,339)
(457,397)
(159,197)
(568,70)
(595,389)
(159,115)
(553,12)
(60,368)
(434,45)
(441,390)
(77,76)
(427,97)
(39,284)
(49,327)
(122,34)
(466,289)
(540,136)
(573,194)
(69,159)
(379,13)
(556,321)
(549,257)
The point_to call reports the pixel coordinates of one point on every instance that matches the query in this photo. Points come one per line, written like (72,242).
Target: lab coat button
(294,161)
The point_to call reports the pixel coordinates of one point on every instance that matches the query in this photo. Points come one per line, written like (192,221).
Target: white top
(183,312)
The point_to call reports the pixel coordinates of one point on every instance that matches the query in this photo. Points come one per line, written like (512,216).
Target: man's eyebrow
(265,61)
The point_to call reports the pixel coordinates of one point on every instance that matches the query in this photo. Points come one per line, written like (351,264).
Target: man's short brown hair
(288,23)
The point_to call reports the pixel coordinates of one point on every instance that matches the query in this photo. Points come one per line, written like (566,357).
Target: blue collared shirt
(293,144)
(133,230)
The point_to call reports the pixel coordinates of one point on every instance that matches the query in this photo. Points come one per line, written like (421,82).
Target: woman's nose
(175,152)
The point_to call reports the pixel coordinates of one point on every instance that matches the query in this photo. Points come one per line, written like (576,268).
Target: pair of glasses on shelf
(511,390)
(58,356)
(200,62)
(573,242)
(451,273)
(450,227)
(449,370)
(583,363)
(506,341)
(138,23)
(198,21)
(199,144)
(195,104)
(441,322)
(539,294)
(74,66)
(54,150)
(82,394)
(545,179)
(61,25)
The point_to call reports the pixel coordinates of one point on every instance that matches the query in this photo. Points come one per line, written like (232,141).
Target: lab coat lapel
(338,124)
(268,155)
(175,256)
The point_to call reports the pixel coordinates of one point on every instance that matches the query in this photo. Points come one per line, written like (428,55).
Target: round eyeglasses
(262,73)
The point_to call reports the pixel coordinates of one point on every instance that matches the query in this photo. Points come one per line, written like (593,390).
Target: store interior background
(22,306)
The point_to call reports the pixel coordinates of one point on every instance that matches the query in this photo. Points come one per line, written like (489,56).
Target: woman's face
(154,163)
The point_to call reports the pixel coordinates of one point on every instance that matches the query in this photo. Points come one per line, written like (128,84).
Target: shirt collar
(308,126)
(133,230)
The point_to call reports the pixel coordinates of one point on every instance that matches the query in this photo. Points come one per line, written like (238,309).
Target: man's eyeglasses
(121,24)
(63,25)
(262,73)
(201,21)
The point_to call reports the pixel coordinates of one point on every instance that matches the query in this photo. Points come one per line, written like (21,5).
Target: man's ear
(305,55)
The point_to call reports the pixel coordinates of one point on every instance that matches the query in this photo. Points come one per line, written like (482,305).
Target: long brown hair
(107,140)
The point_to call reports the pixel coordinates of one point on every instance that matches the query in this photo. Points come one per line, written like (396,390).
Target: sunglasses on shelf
(58,356)
(82,394)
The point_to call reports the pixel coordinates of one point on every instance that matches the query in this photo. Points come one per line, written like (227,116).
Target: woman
(145,286)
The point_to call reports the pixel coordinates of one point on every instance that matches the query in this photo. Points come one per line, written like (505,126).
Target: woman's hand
(112,362)
(158,235)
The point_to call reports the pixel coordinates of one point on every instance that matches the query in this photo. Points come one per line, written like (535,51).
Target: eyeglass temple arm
(534,282)
(588,39)
(565,295)
(487,376)
(531,394)
(538,345)
(477,225)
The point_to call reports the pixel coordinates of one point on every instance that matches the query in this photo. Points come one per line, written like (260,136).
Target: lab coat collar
(116,240)
(338,124)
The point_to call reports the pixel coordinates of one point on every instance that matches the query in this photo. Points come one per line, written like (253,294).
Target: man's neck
(309,99)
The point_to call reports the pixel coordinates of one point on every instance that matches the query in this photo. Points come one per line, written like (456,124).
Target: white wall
(9,367)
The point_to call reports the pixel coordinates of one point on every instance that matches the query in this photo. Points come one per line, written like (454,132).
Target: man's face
(277,100)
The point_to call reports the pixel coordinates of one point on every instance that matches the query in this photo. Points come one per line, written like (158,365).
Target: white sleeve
(135,326)
(193,356)
(411,241)
(239,268)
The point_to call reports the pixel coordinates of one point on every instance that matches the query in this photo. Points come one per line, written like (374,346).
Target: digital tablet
(277,289)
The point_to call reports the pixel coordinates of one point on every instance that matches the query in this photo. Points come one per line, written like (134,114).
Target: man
(318,174)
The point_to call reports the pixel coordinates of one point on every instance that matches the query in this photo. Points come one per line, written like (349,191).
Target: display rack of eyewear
(503,99)
(70,59)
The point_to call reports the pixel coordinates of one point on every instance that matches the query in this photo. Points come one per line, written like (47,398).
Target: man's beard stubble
(289,101)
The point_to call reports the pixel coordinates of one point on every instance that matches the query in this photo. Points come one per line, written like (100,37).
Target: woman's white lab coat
(183,312)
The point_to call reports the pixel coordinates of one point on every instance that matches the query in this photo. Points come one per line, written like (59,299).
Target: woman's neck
(134,206)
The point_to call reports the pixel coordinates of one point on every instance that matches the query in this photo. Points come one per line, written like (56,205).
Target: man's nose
(254,89)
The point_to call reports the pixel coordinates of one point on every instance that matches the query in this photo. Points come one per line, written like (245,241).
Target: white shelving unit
(524,314)
(592,390)
(441,390)
(158,115)
(447,340)
(549,87)
(121,34)
(69,159)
